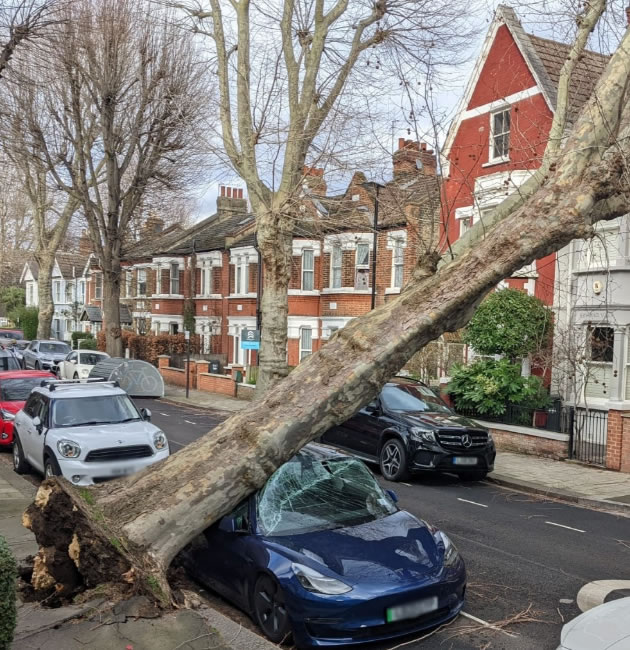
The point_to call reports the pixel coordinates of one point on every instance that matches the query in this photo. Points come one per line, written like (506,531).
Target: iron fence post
(570,425)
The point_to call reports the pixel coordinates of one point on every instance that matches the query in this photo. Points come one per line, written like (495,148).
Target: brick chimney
(152,226)
(85,244)
(413,158)
(628,14)
(314,179)
(231,200)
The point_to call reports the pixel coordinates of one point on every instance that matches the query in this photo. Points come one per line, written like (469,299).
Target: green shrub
(8,577)
(487,387)
(27,319)
(76,336)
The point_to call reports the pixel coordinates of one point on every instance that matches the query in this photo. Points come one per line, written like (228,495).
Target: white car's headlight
(159,440)
(84,372)
(451,554)
(69,448)
(422,435)
(313,580)
(6,416)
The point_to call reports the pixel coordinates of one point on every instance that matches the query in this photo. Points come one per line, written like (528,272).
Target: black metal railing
(586,428)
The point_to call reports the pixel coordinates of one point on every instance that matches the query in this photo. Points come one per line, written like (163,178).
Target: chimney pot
(628,14)
(222,190)
(401,143)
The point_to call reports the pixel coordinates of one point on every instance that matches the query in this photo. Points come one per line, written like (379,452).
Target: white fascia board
(244,251)
(300,244)
(348,240)
(214,257)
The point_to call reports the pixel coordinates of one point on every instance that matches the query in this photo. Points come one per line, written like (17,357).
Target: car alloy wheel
(51,468)
(20,464)
(270,610)
(393,460)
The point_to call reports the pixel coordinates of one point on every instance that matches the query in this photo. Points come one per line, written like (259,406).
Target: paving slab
(203,399)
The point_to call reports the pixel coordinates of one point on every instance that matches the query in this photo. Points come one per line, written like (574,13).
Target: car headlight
(5,415)
(490,438)
(159,440)
(422,435)
(451,554)
(84,372)
(68,449)
(313,580)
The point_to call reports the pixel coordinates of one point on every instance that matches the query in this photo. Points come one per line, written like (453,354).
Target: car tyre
(76,375)
(270,611)
(37,366)
(393,460)
(20,464)
(473,475)
(51,467)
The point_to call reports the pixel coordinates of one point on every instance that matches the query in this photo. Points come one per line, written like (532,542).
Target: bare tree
(155,513)
(133,93)
(286,85)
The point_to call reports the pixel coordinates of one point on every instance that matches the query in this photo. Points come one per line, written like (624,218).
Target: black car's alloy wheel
(270,610)
(393,460)
(20,465)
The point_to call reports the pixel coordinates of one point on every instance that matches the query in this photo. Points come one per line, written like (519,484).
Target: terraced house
(210,275)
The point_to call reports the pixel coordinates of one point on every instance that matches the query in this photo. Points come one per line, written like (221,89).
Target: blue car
(323,554)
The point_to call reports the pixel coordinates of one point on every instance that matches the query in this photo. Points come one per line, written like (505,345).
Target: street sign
(250,339)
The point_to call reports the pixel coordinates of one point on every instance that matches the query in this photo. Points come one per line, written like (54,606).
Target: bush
(88,342)
(487,387)
(8,577)
(27,319)
(148,347)
(511,323)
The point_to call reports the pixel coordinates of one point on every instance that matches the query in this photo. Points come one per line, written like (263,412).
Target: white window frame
(98,290)
(173,284)
(141,280)
(68,292)
(57,291)
(237,357)
(158,280)
(363,266)
(493,135)
(308,272)
(205,287)
(128,278)
(305,352)
(241,275)
(398,263)
(335,282)
(30,294)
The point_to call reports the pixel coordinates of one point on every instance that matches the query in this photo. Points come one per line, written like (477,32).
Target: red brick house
(500,131)
(209,272)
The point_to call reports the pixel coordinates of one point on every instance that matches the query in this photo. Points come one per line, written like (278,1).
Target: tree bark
(111,308)
(277,257)
(46,262)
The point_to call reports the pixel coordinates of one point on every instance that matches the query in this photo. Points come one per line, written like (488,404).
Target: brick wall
(177,376)
(217,384)
(618,441)
(535,443)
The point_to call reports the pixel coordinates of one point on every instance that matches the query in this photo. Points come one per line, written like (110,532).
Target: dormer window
(500,135)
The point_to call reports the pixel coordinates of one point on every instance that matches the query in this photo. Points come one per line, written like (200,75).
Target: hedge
(8,612)
(148,347)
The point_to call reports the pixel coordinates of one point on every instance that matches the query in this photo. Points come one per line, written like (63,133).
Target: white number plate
(465,460)
(122,471)
(411,610)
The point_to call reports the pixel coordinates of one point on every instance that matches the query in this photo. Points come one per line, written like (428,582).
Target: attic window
(500,135)
(356,197)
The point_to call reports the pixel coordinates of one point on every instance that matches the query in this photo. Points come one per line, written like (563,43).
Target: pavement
(203,399)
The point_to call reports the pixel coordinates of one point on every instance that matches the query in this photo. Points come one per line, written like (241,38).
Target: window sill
(209,296)
(392,291)
(173,296)
(347,290)
(303,292)
(241,295)
(496,161)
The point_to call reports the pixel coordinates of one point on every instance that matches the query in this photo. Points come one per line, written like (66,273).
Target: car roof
(50,341)
(399,379)
(25,374)
(73,390)
(319,451)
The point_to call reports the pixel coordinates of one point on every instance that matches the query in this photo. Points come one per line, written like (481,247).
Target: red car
(15,387)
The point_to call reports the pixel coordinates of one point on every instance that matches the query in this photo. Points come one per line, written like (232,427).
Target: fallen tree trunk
(131,529)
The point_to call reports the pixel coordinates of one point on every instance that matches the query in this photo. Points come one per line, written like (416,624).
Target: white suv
(86,432)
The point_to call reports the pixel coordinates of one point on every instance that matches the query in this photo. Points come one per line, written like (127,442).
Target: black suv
(408,428)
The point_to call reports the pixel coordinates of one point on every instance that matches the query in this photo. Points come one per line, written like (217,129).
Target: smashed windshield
(308,494)
(18,390)
(412,397)
(83,411)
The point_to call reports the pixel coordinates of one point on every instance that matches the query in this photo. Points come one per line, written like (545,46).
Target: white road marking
(166,415)
(189,422)
(407,484)
(473,502)
(174,442)
(577,530)
(486,624)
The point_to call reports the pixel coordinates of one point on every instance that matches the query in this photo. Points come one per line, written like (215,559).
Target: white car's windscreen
(85,411)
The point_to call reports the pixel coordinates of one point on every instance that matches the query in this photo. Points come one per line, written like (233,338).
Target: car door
(28,355)
(224,561)
(29,435)
(67,368)
(364,429)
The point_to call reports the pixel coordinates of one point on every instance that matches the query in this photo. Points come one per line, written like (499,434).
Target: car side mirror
(393,495)
(373,408)
(146,414)
(73,361)
(236,525)
(37,423)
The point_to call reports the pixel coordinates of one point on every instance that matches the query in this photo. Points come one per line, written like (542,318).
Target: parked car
(18,348)
(322,552)
(86,432)
(12,334)
(78,363)
(606,627)
(15,387)
(8,360)
(408,428)
(42,355)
